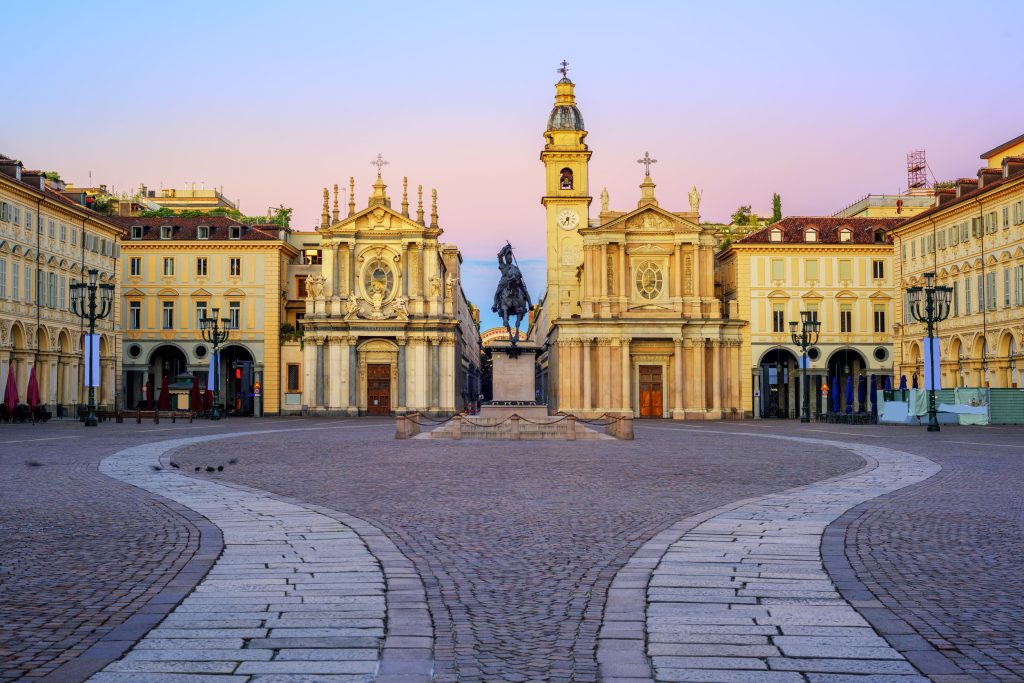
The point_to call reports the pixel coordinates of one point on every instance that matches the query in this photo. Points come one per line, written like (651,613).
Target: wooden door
(650,391)
(378,389)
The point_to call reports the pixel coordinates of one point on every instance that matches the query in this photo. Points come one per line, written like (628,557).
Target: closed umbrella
(862,394)
(33,396)
(903,382)
(11,392)
(209,400)
(914,384)
(165,396)
(195,400)
(849,393)
(888,383)
(873,394)
(835,394)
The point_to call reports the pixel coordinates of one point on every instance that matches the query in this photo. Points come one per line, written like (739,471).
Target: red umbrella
(209,400)
(11,392)
(165,396)
(33,397)
(147,396)
(196,399)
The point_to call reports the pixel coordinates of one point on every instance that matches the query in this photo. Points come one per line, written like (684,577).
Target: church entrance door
(378,389)
(650,391)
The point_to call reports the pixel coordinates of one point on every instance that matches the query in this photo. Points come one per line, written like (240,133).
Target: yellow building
(973,240)
(385,326)
(889,205)
(188,198)
(630,320)
(840,269)
(47,243)
(177,270)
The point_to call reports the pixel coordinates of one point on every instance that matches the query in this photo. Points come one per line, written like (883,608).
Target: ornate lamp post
(84,304)
(214,334)
(806,337)
(936,309)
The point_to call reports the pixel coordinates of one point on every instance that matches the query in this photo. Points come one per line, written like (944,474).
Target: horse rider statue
(511,297)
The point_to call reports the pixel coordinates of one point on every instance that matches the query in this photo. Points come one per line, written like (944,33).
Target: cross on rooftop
(647,161)
(564,69)
(379,163)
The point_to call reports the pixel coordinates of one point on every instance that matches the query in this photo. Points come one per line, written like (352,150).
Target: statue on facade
(694,199)
(511,297)
(449,287)
(435,287)
(604,200)
(315,286)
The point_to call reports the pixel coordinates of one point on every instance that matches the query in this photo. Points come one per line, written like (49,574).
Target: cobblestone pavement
(294,592)
(743,592)
(517,542)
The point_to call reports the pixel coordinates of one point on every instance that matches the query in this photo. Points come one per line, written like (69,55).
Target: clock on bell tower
(566,198)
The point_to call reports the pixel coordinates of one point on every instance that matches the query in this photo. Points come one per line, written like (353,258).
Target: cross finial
(379,163)
(564,69)
(647,161)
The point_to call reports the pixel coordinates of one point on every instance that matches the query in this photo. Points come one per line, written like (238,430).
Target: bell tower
(566,198)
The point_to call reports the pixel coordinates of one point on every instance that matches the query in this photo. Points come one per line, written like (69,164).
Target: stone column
(401,373)
(678,409)
(679,270)
(604,271)
(716,378)
(588,345)
(699,364)
(320,372)
(308,372)
(791,380)
(336,378)
(335,269)
(422,265)
(405,269)
(623,273)
(353,375)
(343,288)
(435,373)
(352,267)
(604,372)
(627,377)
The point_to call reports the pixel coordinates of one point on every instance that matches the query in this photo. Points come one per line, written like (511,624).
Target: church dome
(566,117)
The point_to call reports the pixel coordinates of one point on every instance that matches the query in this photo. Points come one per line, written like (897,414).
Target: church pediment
(647,219)
(376,219)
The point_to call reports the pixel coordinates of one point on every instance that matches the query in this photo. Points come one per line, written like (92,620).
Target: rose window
(380,280)
(649,280)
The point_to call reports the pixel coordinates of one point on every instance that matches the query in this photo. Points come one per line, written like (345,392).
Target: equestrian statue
(511,297)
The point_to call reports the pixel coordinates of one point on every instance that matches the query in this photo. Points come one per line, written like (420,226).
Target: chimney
(965,186)
(987,176)
(1013,166)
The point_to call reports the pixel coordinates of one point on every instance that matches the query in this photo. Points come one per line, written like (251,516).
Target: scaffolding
(917,170)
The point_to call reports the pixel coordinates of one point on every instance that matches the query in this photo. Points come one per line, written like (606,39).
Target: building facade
(839,269)
(48,243)
(973,240)
(385,325)
(177,270)
(630,322)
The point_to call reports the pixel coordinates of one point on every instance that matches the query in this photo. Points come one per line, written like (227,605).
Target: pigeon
(233,461)
(175,465)
(198,468)
(209,469)
(157,468)
(220,468)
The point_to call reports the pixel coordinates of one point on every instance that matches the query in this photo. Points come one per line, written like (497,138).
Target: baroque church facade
(386,327)
(630,323)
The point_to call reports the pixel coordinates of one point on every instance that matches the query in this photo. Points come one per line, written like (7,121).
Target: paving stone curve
(296,594)
(741,593)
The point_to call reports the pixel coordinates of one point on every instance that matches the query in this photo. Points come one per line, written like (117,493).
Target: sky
(818,101)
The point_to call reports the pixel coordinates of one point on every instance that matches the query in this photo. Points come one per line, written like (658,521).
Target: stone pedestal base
(535,411)
(513,375)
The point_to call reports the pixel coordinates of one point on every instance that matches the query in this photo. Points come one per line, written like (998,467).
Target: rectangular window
(28,285)
(963,231)
(880,319)
(52,286)
(62,302)
(63,233)
(28,219)
(74,236)
(134,315)
(201,266)
(300,286)
(168,315)
(956,298)
(993,222)
(903,251)
(235,314)
(293,377)
(778,269)
(813,310)
(1006,217)
(136,232)
(200,314)
(236,266)
(15,271)
(992,298)
(942,239)
(967,295)
(1006,287)
(845,318)
(811,269)
(40,288)
(53,229)
(235,232)
(981,293)
(778,318)
(203,232)
(1020,285)
(169,267)
(3,278)
(954,235)
(136,266)
(878,270)
(845,269)
(165,232)
(913,249)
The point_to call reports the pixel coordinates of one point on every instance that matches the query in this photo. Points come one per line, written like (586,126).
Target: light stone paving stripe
(296,595)
(741,593)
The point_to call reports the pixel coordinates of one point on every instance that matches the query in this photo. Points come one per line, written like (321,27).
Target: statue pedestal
(513,383)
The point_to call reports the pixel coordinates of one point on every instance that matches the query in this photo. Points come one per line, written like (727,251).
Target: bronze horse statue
(511,297)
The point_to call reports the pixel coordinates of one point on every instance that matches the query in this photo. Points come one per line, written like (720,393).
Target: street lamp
(936,309)
(214,334)
(807,336)
(85,306)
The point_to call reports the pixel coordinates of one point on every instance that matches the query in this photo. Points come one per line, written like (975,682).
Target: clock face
(567,219)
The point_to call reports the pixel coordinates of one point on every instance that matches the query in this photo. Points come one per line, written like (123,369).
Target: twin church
(629,322)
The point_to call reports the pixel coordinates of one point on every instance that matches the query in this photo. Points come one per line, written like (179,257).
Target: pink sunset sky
(273,101)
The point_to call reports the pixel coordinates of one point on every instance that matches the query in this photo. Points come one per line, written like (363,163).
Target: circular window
(200,351)
(649,280)
(134,350)
(881,353)
(380,280)
(814,353)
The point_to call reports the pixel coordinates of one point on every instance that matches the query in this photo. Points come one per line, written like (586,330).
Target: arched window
(565,179)
(810,235)
(775,235)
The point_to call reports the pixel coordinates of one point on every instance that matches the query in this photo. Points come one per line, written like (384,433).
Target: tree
(159,213)
(776,208)
(742,216)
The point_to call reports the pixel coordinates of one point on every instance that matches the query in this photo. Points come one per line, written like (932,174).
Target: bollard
(457,423)
(515,427)
(625,429)
(401,427)
(570,422)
